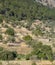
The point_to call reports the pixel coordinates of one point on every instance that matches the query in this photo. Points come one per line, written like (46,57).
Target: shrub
(1,37)
(33,63)
(7,55)
(10,31)
(1,20)
(1,48)
(27,38)
(28,56)
(20,56)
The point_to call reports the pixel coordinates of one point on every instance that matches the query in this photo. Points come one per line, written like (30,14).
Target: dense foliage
(25,9)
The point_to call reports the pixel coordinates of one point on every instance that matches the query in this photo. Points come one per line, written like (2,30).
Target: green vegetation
(20,56)
(10,31)
(7,55)
(28,56)
(13,10)
(11,39)
(1,20)
(1,48)
(38,31)
(27,38)
(33,63)
(1,37)
(41,51)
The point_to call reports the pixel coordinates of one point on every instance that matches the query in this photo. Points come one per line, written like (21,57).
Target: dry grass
(29,62)
(21,49)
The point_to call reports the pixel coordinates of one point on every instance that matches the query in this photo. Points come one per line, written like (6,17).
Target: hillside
(27,31)
(30,10)
(21,39)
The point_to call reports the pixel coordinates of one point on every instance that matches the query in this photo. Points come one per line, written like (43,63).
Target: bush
(33,63)
(11,39)
(20,56)
(28,56)
(38,31)
(27,38)
(7,55)
(41,52)
(1,37)
(1,48)
(1,20)
(10,31)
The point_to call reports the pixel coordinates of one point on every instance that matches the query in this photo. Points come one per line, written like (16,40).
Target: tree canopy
(25,9)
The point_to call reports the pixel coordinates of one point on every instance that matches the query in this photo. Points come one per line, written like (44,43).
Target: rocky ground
(50,3)
(26,62)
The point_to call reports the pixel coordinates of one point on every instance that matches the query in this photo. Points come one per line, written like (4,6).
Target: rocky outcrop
(50,3)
